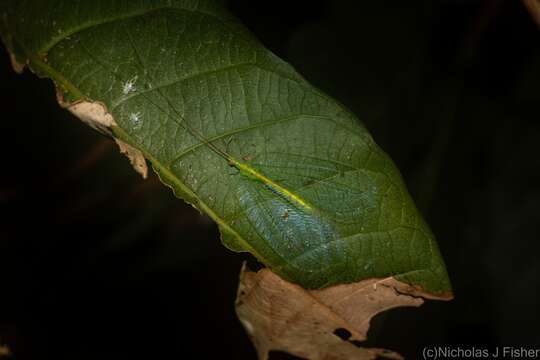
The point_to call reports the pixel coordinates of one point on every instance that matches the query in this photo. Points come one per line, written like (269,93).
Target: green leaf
(287,172)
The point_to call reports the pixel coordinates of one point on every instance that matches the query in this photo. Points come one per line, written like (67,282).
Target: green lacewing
(294,228)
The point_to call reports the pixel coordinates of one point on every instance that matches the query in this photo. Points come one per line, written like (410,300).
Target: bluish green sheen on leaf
(288,173)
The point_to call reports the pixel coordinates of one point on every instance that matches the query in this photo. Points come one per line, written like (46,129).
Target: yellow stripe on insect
(252,173)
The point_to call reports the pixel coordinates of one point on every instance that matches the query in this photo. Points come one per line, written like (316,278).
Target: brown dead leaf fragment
(136,157)
(17,66)
(279,315)
(95,115)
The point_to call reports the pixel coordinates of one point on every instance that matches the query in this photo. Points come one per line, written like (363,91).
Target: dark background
(96,263)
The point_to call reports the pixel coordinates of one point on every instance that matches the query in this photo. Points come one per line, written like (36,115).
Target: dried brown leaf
(279,315)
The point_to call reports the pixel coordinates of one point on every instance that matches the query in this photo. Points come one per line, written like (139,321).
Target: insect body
(251,173)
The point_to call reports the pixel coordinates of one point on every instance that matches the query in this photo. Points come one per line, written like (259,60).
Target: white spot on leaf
(135,119)
(129,86)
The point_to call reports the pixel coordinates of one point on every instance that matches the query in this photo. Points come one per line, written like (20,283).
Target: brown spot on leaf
(282,316)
